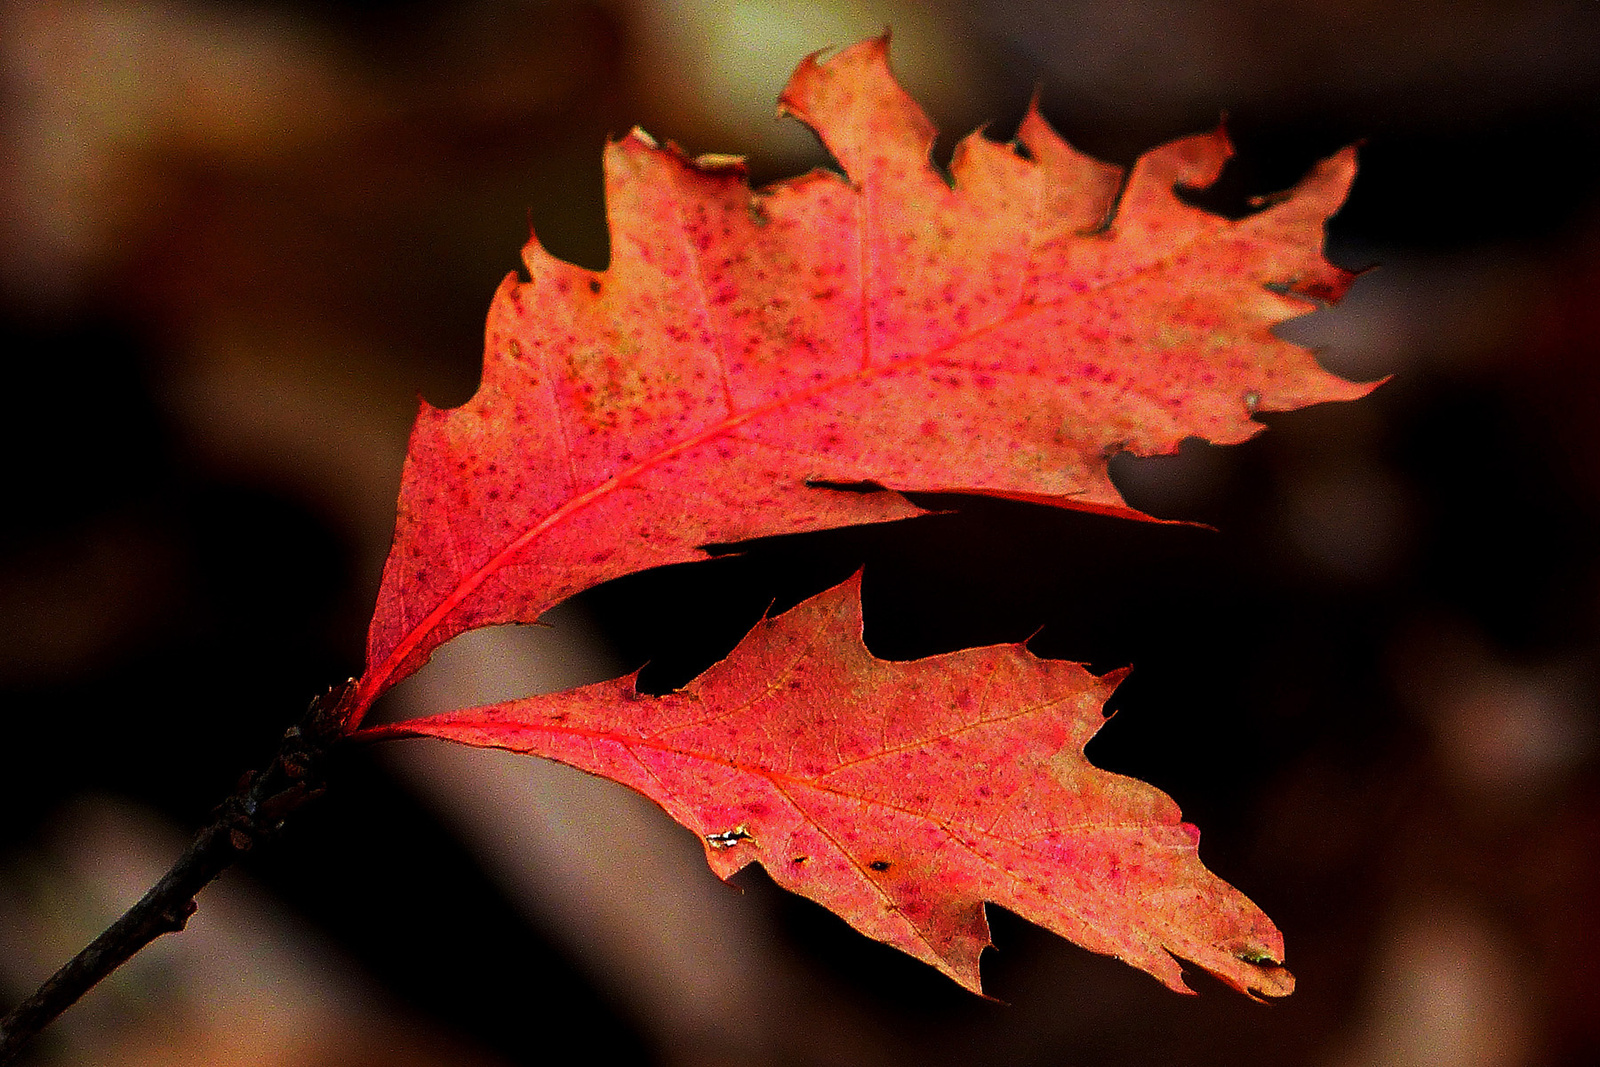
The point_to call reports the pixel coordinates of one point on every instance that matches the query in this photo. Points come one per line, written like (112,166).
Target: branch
(255,812)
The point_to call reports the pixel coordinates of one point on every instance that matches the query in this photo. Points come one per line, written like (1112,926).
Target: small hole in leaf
(730,838)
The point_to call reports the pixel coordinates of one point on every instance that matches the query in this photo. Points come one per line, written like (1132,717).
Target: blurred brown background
(240,238)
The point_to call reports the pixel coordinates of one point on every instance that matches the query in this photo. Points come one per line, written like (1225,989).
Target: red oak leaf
(902,796)
(1003,333)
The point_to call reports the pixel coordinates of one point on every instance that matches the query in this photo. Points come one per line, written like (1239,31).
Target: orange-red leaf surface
(1001,334)
(902,796)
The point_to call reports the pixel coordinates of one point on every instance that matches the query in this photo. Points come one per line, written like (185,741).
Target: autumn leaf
(902,796)
(747,353)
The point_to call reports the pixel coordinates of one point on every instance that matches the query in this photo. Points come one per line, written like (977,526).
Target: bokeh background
(240,238)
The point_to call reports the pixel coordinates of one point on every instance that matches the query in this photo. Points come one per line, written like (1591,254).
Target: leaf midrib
(420,728)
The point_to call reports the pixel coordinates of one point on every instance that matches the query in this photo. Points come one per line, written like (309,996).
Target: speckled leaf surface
(1003,334)
(903,795)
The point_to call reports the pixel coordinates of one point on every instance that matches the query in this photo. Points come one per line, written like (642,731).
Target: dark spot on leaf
(594,285)
(879,865)
(844,487)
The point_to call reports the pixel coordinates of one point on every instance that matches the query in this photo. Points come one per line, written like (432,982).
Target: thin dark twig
(253,813)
